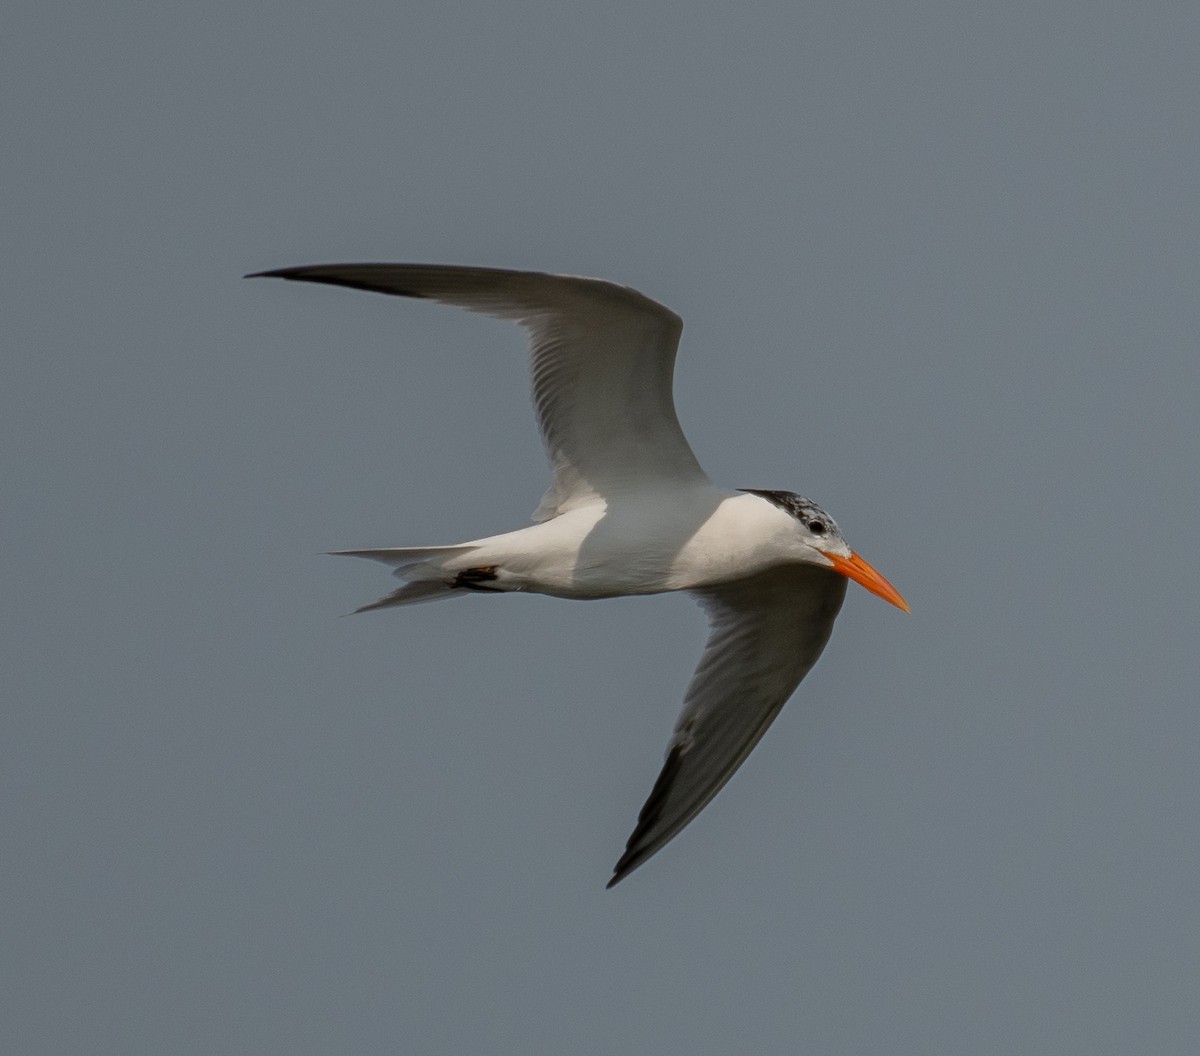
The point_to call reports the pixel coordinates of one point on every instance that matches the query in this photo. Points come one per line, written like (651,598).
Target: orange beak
(855,568)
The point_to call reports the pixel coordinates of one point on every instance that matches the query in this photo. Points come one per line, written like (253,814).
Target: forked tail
(423,569)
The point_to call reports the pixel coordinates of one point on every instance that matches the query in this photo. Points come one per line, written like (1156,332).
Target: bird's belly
(603,554)
(571,557)
(586,572)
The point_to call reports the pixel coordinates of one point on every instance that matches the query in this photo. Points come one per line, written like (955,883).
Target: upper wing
(767,631)
(602,361)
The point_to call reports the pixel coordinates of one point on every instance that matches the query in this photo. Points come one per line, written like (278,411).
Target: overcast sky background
(938,266)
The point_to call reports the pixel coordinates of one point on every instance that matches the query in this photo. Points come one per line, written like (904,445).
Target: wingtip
(275,273)
(373,278)
(626,864)
(619,874)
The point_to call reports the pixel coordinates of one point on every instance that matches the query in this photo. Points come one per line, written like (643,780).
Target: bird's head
(820,533)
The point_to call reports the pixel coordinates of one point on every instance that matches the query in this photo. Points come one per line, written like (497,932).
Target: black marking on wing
(313,274)
(651,811)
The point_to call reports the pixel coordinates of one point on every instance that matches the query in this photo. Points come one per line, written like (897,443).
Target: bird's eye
(816,527)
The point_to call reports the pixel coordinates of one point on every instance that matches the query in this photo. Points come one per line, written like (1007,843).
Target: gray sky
(938,267)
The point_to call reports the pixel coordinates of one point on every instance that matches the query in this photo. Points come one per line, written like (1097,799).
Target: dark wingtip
(275,273)
(336,275)
(626,864)
(637,851)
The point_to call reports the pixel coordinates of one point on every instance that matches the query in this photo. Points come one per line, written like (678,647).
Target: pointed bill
(855,568)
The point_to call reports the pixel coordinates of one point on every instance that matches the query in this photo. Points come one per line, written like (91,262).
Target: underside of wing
(766,633)
(602,360)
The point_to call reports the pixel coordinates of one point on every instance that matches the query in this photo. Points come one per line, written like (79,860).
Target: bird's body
(630,511)
(694,539)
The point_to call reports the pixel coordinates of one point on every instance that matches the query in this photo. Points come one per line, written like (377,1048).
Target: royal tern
(630,511)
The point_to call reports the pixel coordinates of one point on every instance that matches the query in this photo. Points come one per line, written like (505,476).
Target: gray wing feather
(602,360)
(767,631)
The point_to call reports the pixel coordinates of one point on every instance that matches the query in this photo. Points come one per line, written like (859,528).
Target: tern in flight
(630,511)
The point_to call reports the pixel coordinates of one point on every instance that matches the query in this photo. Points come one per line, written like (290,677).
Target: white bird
(630,511)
